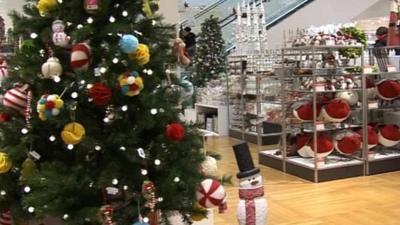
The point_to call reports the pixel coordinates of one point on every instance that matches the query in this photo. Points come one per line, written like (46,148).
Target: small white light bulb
(150,72)
(27,189)
(60,1)
(106,120)
(97,147)
(34,35)
(65,216)
(125,187)
(90,20)
(112,19)
(125,13)
(24,130)
(3,193)
(74,95)
(52,138)
(177,179)
(124,108)
(146,220)
(157,162)
(57,79)
(115,181)
(153,111)
(103,70)
(70,147)
(122,148)
(115,60)
(31,209)
(144,172)
(160,199)
(80,26)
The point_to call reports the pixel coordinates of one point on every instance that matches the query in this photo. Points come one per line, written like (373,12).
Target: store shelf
(336,167)
(309,127)
(324,91)
(320,47)
(220,111)
(252,137)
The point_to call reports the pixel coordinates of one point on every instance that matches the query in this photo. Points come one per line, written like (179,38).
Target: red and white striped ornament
(17,99)
(6,218)
(80,56)
(210,193)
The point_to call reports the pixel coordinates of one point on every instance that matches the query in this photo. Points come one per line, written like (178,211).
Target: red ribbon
(249,195)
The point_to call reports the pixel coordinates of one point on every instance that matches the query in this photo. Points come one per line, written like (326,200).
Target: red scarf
(249,195)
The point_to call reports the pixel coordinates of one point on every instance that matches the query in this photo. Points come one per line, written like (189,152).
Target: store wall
(319,12)
(6,6)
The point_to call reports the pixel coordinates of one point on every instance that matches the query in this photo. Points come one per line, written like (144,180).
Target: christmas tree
(209,59)
(90,127)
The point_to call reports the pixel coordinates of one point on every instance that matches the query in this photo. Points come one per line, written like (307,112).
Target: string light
(60,1)
(24,130)
(65,216)
(106,120)
(160,199)
(80,26)
(177,179)
(146,220)
(124,108)
(157,162)
(115,181)
(144,172)
(3,193)
(74,95)
(112,19)
(70,147)
(125,187)
(153,22)
(97,148)
(27,189)
(153,111)
(103,70)
(90,20)
(124,13)
(34,35)
(52,138)
(150,72)
(56,79)
(31,209)
(115,60)
(122,148)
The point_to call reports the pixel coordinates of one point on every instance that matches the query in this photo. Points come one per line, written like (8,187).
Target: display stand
(220,121)
(316,169)
(384,159)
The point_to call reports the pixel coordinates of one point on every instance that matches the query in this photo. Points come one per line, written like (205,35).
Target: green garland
(357,34)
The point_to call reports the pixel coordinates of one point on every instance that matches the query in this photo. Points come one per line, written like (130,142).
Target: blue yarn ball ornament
(140,223)
(128,43)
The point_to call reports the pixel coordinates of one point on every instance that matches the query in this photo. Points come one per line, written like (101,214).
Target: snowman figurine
(60,38)
(252,207)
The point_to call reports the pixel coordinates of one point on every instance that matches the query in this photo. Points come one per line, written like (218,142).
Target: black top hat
(244,161)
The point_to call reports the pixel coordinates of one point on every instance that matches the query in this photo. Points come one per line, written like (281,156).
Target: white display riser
(222,113)
(177,219)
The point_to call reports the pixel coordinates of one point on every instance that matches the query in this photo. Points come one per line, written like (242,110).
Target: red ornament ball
(4,117)
(100,93)
(175,132)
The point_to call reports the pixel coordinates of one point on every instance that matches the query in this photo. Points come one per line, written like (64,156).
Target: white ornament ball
(209,167)
(80,56)
(350,97)
(58,26)
(52,68)
(16,99)
(210,193)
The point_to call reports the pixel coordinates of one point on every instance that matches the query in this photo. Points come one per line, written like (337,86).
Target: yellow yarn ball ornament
(141,55)
(45,5)
(73,133)
(5,163)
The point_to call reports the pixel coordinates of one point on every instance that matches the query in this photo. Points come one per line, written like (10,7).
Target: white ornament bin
(176,219)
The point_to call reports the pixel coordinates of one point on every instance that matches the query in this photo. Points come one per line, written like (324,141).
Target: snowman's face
(254,181)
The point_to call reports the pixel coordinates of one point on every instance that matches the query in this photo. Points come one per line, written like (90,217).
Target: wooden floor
(371,200)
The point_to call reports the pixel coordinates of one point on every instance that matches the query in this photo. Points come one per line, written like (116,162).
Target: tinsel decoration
(107,214)
(28,111)
(149,193)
